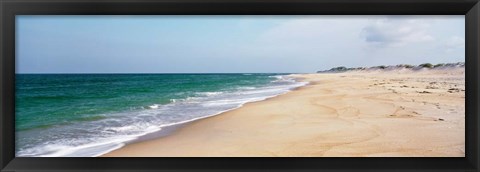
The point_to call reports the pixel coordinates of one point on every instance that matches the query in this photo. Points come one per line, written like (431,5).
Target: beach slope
(352,114)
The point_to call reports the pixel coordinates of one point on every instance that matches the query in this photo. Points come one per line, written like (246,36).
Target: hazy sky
(213,44)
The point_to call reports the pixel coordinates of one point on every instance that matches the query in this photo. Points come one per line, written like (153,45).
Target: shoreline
(299,123)
(149,120)
(172,129)
(165,131)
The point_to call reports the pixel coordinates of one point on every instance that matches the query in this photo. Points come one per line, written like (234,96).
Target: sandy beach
(351,114)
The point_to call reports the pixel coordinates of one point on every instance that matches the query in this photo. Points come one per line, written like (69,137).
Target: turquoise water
(91,114)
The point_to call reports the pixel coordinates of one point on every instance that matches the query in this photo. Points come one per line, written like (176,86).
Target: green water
(90,114)
(46,100)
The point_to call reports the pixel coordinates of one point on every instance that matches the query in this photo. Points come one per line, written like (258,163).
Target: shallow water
(91,114)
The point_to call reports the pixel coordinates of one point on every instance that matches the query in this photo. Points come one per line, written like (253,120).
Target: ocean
(87,115)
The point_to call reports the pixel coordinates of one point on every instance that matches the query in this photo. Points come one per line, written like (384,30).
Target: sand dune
(358,113)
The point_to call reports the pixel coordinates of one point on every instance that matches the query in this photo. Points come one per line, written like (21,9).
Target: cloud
(396,31)
(298,30)
(454,43)
(312,33)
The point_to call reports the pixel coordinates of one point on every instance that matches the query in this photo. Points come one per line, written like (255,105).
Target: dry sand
(352,114)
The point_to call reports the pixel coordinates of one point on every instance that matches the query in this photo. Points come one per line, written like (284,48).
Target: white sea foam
(155,106)
(99,137)
(209,93)
(246,88)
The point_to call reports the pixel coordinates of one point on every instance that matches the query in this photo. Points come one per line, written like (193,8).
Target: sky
(232,44)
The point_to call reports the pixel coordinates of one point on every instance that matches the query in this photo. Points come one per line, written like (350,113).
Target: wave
(95,138)
(246,88)
(155,106)
(209,93)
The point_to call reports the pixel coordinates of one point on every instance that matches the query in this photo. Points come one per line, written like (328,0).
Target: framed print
(211,85)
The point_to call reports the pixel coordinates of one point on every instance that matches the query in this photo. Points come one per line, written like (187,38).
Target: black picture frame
(10,8)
